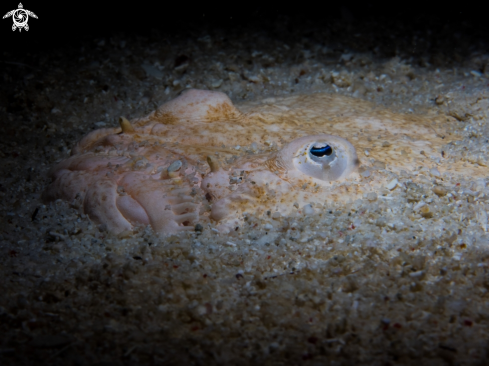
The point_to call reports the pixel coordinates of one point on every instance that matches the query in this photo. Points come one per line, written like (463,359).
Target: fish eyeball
(324,157)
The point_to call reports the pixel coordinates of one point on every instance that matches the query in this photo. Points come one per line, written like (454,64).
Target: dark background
(64,24)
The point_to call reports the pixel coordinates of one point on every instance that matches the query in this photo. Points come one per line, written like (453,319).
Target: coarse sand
(398,277)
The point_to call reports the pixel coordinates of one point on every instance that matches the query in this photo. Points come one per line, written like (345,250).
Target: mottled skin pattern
(125,176)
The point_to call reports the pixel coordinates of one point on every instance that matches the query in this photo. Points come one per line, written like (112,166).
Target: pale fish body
(200,159)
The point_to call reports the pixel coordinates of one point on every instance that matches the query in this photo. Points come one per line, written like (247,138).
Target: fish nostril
(321,151)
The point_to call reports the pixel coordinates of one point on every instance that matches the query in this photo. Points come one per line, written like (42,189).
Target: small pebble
(308,210)
(435,172)
(152,71)
(276,215)
(254,78)
(216,83)
(176,165)
(440,191)
(199,228)
(476,73)
(416,274)
(341,79)
(419,205)
(425,212)
(392,184)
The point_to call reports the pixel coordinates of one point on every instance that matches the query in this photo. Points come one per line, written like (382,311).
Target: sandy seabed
(371,282)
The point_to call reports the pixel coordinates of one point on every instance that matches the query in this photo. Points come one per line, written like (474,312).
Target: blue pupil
(321,151)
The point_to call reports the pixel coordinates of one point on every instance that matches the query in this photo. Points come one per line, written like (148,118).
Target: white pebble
(435,172)
(392,184)
(416,274)
(419,205)
(476,73)
(254,78)
(152,71)
(176,165)
(276,215)
(346,57)
(308,210)
(216,83)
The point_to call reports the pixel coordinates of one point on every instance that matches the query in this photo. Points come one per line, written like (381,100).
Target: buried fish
(199,159)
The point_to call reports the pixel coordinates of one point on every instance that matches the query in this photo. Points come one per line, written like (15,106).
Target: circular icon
(20,17)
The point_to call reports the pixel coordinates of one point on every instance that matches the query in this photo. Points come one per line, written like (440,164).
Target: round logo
(20,17)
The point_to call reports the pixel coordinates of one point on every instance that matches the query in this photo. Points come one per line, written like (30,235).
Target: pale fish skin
(200,159)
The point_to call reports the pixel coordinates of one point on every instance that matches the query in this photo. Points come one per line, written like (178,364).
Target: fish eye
(324,157)
(321,150)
